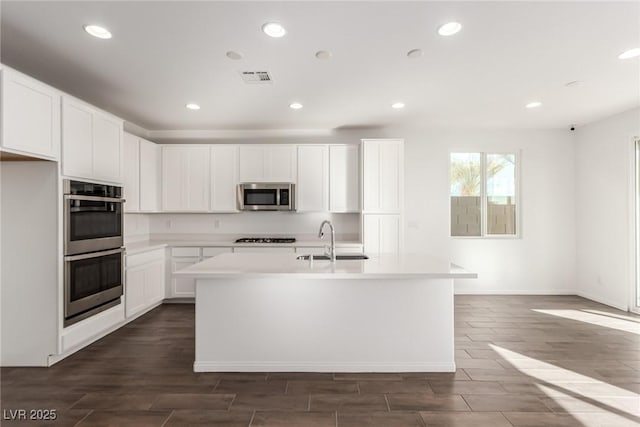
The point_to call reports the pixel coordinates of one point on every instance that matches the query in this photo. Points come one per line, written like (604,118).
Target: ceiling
(166,54)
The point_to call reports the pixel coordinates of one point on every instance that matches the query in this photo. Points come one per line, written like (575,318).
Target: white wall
(542,261)
(604,208)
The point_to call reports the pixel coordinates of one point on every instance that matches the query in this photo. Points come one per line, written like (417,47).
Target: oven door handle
(94,198)
(93,255)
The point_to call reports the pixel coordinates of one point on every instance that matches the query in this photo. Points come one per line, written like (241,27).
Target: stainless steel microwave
(258,196)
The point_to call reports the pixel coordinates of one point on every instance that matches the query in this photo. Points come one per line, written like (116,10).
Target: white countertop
(250,265)
(149,245)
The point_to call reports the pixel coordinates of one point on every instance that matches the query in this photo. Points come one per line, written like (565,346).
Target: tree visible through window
(483,194)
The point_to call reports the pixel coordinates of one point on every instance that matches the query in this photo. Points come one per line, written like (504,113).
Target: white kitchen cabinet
(312,190)
(267,163)
(183,257)
(344,178)
(150,178)
(30,116)
(382,233)
(185,178)
(144,281)
(92,142)
(131,162)
(383,175)
(224,178)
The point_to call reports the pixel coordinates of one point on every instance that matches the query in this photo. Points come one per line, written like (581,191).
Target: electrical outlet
(217,223)
(169,224)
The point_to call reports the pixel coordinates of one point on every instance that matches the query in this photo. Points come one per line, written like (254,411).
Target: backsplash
(139,226)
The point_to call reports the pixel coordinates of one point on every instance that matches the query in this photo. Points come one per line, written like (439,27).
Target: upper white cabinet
(92,142)
(224,178)
(131,173)
(267,163)
(185,178)
(383,175)
(30,116)
(150,178)
(344,178)
(312,190)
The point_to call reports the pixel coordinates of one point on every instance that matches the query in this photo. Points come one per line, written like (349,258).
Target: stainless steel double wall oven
(93,248)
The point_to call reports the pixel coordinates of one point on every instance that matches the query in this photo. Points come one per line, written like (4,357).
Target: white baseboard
(602,301)
(211,366)
(515,292)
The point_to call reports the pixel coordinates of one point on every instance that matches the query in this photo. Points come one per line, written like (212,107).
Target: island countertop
(384,266)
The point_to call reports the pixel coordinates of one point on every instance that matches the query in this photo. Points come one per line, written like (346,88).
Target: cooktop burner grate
(266,240)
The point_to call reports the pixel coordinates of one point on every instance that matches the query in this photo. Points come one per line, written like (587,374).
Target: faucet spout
(332,248)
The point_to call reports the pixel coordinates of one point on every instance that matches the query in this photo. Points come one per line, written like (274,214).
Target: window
(483,190)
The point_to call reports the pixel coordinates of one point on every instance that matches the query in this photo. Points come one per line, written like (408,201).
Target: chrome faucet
(332,249)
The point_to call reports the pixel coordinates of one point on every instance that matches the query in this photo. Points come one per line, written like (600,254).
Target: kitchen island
(276,313)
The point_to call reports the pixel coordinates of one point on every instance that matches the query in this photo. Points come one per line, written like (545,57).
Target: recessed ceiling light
(273,29)
(631,53)
(98,31)
(534,104)
(449,29)
(192,106)
(295,106)
(414,53)
(323,55)
(397,105)
(234,55)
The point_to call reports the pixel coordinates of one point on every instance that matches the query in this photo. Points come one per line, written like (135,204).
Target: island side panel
(324,325)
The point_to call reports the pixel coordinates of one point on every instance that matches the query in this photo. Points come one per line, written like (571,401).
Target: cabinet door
(382,233)
(30,115)
(154,282)
(77,139)
(181,286)
(264,250)
(312,191)
(252,163)
(196,179)
(344,178)
(382,176)
(131,173)
(280,163)
(134,290)
(149,176)
(172,179)
(224,178)
(107,147)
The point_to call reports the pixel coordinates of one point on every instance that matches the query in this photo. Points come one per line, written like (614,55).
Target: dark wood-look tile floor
(522,361)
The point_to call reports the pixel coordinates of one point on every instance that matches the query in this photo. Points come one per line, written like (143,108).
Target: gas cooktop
(266,240)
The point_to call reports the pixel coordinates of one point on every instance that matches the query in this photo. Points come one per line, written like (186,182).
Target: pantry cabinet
(382,233)
(267,163)
(185,178)
(383,175)
(30,116)
(92,142)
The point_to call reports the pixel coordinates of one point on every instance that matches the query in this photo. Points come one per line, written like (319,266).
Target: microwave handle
(94,198)
(93,255)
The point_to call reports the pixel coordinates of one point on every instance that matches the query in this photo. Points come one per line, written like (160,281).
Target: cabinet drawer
(144,258)
(210,252)
(192,252)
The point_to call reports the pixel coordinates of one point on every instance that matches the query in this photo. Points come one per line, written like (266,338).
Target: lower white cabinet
(382,233)
(183,257)
(144,281)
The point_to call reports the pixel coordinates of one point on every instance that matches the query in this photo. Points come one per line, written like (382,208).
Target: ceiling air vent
(253,77)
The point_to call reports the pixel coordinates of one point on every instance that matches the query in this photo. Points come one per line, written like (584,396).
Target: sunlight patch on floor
(605,319)
(572,391)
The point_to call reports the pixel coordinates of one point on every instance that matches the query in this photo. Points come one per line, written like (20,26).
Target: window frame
(484,197)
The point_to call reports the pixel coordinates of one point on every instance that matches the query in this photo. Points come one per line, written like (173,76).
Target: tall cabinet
(382,195)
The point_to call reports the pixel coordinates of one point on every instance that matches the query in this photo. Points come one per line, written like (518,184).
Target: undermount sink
(338,257)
